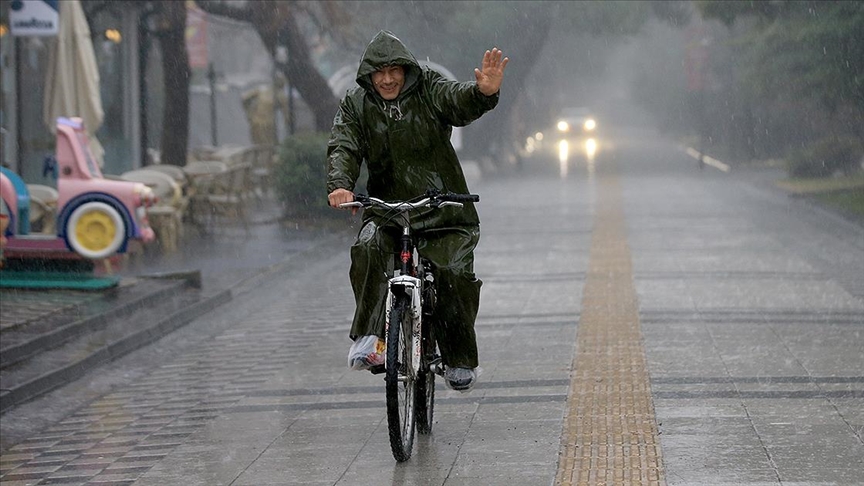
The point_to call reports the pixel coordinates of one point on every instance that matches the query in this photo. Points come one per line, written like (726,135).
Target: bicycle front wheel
(400,380)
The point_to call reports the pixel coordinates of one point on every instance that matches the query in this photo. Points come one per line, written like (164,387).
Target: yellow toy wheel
(95,230)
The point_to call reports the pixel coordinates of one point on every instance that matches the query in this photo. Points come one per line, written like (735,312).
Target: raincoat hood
(386,49)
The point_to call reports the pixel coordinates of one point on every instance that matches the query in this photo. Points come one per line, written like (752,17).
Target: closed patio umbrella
(72,79)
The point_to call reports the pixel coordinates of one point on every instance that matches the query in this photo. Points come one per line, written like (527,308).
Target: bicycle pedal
(437,367)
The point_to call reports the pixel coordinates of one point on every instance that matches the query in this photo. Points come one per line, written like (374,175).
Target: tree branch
(222,9)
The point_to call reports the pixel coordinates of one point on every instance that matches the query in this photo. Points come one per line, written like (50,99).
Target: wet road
(729,352)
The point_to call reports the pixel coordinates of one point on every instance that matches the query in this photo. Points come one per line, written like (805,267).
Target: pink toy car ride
(95,217)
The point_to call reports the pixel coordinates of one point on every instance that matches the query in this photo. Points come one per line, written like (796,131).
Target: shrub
(301,175)
(825,157)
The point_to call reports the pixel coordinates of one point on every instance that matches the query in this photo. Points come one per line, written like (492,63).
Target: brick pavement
(610,432)
(20,307)
(750,325)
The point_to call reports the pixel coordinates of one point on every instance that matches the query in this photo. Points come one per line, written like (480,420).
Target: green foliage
(800,50)
(777,74)
(301,175)
(818,53)
(850,202)
(604,18)
(727,12)
(826,157)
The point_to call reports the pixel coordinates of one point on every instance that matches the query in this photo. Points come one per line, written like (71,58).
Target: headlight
(590,148)
(589,125)
(563,126)
(563,151)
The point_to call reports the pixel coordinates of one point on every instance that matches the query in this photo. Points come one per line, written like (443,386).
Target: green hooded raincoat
(405,144)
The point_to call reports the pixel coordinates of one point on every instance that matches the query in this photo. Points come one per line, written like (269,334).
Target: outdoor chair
(166,216)
(262,161)
(230,154)
(203,152)
(219,198)
(174,171)
(197,168)
(43,208)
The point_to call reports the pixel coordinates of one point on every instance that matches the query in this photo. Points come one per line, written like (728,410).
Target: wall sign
(34,17)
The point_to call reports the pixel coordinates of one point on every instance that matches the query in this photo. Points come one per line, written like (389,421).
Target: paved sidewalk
(224,258)
(740,355)
(229,262)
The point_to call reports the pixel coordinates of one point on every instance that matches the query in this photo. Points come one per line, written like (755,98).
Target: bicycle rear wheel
(425,401)
(400,382)
(426,383)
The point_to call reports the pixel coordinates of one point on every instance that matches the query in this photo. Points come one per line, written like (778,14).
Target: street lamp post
(281,58)
(211,77)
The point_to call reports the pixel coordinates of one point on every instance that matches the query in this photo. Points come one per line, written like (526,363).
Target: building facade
(26,140)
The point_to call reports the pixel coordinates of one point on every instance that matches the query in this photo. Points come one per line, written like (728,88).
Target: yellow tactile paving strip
(610,432)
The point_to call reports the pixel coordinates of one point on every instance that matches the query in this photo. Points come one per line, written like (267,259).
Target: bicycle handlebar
(431,200)
(460,198)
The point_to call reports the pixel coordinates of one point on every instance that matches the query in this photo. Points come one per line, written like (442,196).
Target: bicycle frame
(408,283)
(405,362)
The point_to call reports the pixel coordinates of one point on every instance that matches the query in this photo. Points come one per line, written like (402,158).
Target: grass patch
(848,201)
(844,195)
(822,185)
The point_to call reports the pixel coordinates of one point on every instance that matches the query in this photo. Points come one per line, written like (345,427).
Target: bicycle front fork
(411,287)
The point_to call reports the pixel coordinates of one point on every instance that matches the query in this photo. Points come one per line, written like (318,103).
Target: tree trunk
(276,24)
(299,70)
(175,65)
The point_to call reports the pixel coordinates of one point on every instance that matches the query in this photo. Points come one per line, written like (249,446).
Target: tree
(277,25)
(169,30)
(522,27)
(804,51)
(171,33)
(455,33)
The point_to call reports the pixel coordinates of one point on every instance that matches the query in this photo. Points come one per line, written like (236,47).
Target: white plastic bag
(366,352)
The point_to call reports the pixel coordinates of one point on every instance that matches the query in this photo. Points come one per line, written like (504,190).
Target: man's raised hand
(491,72)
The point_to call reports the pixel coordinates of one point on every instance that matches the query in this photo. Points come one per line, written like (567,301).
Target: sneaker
(460,379)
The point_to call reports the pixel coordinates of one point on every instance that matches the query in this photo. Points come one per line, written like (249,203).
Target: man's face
(388,81)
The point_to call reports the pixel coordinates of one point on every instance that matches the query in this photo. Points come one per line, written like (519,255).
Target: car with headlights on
(576,134)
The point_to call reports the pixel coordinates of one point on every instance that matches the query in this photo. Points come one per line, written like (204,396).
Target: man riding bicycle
(398,121)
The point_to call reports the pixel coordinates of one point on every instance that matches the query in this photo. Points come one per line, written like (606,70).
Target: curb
(808,200)
(835,215)
(61,376)
(805,200)
(19,352)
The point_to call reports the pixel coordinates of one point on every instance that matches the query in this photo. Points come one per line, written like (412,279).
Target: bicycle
(410,357)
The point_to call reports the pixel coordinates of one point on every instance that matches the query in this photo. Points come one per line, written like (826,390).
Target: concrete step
(45,354)
(47,331)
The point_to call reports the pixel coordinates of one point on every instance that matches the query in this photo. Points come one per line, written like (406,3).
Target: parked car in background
(92,217)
